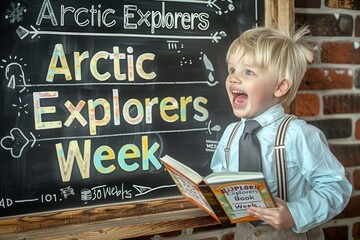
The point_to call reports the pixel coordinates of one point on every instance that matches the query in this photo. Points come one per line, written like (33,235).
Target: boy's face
(250,89)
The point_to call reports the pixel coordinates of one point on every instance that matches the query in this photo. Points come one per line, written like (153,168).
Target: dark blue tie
(249,148)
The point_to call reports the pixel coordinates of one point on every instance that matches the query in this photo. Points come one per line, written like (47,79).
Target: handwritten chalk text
(132,15)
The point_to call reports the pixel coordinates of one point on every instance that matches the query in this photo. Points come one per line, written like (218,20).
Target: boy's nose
(233,79)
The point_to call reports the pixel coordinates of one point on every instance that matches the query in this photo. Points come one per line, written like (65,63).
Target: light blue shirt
(318,189)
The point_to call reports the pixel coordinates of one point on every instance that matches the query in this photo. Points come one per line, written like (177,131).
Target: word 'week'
(129,158)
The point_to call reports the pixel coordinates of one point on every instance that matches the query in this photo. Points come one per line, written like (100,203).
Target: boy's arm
(329,190)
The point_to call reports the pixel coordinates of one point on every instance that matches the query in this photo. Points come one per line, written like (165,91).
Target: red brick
(326,24)
(356,180)
(321,79)
(308,3)
(334,128)
(336,233)
(340,52)
(352,209)
(306,105)
(357,26)
(344,4)
(347,154)
(356,231)
(357,129)
(335,104)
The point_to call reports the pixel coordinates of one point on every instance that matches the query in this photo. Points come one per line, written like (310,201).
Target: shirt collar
(269,116)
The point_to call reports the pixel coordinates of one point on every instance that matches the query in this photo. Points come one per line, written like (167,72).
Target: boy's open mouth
(239,97)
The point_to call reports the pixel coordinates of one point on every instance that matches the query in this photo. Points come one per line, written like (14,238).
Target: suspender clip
(279,147)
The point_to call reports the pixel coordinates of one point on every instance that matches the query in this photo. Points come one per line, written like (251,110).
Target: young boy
(265,68)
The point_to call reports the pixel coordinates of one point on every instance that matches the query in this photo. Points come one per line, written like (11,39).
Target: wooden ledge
(108,222)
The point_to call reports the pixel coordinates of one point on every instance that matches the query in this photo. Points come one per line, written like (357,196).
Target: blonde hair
(283,53)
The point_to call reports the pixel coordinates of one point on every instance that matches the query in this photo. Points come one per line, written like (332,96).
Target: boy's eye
(231,70)
(249,72)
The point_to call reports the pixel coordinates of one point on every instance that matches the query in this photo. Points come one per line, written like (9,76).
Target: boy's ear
(282,88)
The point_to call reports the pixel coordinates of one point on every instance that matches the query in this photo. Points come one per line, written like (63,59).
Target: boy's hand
(279,218)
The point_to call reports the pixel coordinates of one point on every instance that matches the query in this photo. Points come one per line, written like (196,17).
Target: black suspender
(279,151)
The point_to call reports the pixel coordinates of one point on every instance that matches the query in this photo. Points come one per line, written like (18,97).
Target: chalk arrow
(145,190)
(20,141)
(23,32)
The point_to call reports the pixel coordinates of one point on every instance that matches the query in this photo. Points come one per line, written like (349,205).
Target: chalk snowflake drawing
(15,13)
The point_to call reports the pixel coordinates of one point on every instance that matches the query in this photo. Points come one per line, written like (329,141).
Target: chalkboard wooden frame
(132,219)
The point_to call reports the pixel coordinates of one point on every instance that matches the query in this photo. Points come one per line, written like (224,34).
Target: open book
(224,195)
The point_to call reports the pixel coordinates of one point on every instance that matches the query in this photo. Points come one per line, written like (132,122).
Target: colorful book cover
(237,197)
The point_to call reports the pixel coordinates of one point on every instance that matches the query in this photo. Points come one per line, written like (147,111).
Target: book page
(185,170)
(190,190)
(219,177)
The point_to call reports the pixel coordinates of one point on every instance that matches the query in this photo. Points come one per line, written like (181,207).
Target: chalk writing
(95,92)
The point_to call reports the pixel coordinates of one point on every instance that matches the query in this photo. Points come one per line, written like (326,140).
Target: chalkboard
(94,92)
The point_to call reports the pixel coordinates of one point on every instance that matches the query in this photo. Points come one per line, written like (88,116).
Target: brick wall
(329,97)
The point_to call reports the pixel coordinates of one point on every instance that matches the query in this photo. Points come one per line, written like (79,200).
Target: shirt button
(258,233)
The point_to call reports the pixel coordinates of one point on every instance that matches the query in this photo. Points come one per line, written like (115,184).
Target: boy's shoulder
(299,123)
(296,126)
(299,127)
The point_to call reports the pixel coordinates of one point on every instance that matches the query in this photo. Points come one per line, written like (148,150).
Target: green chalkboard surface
(94,92)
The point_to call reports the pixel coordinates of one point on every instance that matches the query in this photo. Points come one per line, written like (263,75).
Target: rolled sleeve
(328,188)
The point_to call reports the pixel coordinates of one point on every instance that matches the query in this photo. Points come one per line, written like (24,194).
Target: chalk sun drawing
(21,107)
(14,73)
